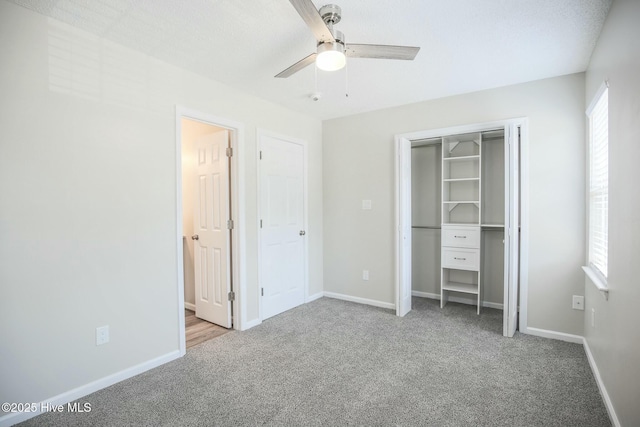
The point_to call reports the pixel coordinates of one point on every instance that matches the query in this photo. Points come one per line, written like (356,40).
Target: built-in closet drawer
(461,259)
(461,237)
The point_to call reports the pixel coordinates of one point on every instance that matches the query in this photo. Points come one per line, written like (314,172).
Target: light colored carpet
(333,363)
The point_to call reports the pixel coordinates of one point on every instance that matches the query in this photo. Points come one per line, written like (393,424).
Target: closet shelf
(492,225)
(467,288)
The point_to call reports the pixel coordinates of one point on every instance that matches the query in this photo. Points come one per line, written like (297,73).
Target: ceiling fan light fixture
(331,56)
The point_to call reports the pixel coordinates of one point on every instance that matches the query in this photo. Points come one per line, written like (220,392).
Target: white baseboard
(190,306)
(315,296)
(92,387)
(544,333)
(461,300)
(603,390)
(250,324)
(360,300)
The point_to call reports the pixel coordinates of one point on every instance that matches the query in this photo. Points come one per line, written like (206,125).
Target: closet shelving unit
(461,216)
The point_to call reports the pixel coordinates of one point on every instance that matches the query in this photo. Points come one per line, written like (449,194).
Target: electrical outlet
(366,205)
(578,302)
(102,335)
(365,274)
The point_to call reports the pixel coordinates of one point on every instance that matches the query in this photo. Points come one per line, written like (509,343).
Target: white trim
(596,279)
(314,297)
(603,390)
(523,122)
(190,306)
(461,300)
(248,324)
(359,300)
(239,257)
(260,133)
(92,387)
(544,333)
(596,97)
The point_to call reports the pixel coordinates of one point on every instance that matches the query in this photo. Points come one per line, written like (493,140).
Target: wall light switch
(366,205)
(365,274)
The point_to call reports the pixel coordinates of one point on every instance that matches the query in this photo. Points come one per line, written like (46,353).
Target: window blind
(599,182)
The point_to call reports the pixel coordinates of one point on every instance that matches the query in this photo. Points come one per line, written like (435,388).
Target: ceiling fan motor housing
(331,14)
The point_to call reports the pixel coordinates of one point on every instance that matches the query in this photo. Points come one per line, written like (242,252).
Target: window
(598,113)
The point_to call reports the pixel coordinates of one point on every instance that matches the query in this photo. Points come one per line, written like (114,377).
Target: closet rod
(435,227)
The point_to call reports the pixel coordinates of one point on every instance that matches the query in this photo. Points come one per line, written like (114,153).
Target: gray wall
(88,221)
(615,339)
(358,164)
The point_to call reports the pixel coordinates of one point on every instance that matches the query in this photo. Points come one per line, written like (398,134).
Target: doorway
(206,214)
(513,219)
(210,218)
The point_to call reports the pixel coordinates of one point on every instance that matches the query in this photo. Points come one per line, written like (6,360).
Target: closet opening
(458,215)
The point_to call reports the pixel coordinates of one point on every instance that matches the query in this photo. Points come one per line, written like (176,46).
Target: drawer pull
(460,237)
(459,259)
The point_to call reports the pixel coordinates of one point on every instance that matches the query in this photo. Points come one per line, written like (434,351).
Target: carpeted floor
(335,363)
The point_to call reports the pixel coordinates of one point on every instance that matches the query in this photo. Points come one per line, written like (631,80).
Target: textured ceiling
(466,45)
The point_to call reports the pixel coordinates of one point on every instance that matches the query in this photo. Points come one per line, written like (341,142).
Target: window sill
(597,281)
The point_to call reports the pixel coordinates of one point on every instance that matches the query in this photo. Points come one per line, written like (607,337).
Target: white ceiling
(466,45)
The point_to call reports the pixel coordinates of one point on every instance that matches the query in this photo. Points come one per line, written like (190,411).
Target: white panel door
(403,299)
(512,230)
(211,212)
(282,248)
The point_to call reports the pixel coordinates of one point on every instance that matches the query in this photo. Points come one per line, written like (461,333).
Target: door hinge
(260,154)
(230,224)
(261,292)
(229,151)
(260,223)
(232,296)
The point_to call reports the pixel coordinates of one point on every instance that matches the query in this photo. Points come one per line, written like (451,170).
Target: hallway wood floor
(198,330)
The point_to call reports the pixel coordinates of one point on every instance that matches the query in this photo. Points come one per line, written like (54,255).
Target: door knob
(195,237)
(302,232)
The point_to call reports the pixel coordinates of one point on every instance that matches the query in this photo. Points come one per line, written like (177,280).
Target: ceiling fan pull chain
(346,79)
(315,77)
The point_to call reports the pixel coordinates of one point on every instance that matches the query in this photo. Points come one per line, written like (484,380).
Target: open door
(403,204)
(512,230)
(212,236)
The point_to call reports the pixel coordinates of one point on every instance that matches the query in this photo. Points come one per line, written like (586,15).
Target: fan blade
(297,66)
(381,51)
(310,15)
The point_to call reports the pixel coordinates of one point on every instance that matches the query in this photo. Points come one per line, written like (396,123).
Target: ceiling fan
(332,50)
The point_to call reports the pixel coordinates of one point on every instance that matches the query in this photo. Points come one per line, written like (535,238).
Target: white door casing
(516,194)
(282,269)
(212,253)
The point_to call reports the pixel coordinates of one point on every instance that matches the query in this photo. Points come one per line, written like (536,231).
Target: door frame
(238,234)
(403,259)
(260,133)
